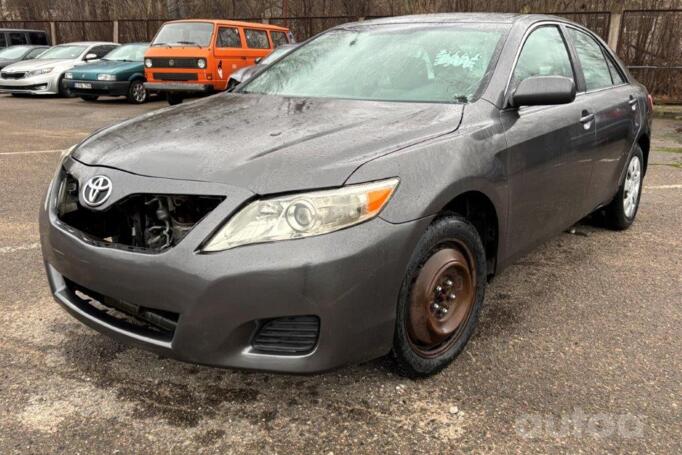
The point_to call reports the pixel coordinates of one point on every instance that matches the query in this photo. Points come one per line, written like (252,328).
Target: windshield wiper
(191,43)
(161,44)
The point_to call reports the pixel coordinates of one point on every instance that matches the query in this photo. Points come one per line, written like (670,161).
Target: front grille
(148,322)
(290,336)
(25,88)
(173,62)
(176,76)
(147,223)
(13,75)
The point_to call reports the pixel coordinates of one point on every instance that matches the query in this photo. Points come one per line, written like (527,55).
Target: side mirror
(258,60)
(90,57)
(543,91)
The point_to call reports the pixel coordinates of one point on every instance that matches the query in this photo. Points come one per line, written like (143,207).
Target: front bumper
(349,279)
(98,88)
(178,87)
(46,84)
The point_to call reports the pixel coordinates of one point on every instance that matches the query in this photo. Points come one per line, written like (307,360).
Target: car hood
(108,66)
(36,64)
(267,144)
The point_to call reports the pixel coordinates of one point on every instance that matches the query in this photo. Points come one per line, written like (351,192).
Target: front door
(229,54)
(549,148)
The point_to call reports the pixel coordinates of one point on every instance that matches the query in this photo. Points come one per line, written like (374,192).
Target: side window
(101,51)
(16,38)
(3,43)
(37,37)
(279,38)
(544,54)
(228,37)
(616,75)
(592,60)
(257,39)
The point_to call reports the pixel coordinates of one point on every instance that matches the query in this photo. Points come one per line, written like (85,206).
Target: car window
(257,39)
(101,51)
(3,43)
(37,37)
(544,54)
(63,51)
(616,75)
(16,38)
(228,37)
(279,38)
(592,60)
(35,52)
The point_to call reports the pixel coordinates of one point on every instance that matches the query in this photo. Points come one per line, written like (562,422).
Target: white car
(43,75)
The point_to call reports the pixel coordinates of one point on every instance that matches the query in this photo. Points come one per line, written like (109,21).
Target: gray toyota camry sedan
(353,199)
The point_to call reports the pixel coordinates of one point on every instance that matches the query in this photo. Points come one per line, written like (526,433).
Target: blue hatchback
(119,73)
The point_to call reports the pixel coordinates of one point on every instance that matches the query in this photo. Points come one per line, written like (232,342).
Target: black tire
(63,90)
(89,98)
(619,215)
(137,93)
(174,99)
(445,234)
(231,84)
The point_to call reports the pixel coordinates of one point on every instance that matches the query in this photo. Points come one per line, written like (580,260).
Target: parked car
(19,36)
(16,54)
(44,75)
(196,57)
(119,73)
(353,199)
(247,72)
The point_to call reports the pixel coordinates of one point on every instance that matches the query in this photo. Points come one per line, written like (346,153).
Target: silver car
(43,75)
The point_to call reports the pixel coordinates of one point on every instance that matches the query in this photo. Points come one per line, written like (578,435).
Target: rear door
(549,147)
(615,105)
(229,53)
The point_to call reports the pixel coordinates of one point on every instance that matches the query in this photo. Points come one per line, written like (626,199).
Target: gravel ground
(578,347)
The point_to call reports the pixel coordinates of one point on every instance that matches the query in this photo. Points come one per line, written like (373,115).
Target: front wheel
(621,212)
(137,93)
(440,298)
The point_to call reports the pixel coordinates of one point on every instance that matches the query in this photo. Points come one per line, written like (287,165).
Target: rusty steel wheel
(440,297)
(442,300)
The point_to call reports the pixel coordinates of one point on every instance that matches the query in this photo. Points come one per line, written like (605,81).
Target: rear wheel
(621,212)
(137,93)
(174,99)
(89,98)
(441,297)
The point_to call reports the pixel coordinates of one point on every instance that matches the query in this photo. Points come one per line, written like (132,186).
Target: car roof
(234,23)
(21,30)
(496,18)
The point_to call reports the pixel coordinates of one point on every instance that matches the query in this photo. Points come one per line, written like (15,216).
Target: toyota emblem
(97,190)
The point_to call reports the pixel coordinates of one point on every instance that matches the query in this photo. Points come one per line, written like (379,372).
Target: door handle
(587,117)
(632,101)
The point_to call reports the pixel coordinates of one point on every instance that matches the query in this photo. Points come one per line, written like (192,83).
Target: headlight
(201,63)
(68,75)
(39,72)
(106,77)
(148,62)
(303,215)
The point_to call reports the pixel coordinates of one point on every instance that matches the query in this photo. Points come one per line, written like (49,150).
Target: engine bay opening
(143,222)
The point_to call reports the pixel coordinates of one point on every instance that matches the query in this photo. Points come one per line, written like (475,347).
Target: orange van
(190,57)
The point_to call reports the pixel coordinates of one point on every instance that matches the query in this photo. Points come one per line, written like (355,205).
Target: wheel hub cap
(632,186)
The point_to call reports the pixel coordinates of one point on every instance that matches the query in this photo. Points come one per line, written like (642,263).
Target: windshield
(63,52)
(277,53)
(128,53)
(423,63)
(184,33)
(14,52)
